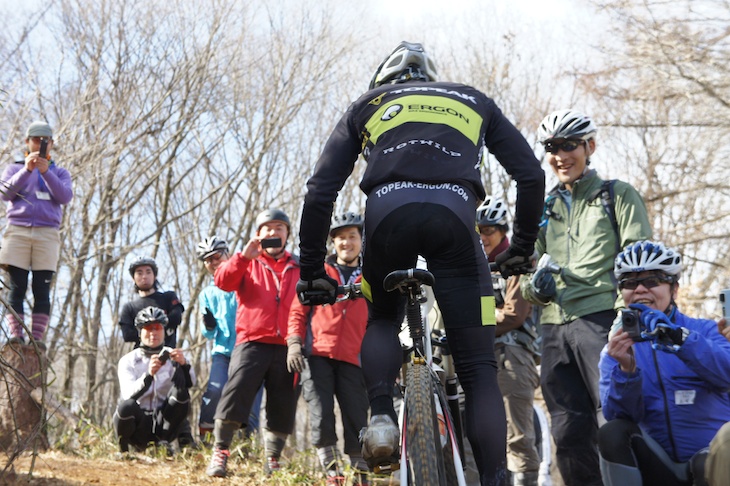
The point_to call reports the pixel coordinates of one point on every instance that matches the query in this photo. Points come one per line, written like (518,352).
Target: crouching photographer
(154,382)
(664,378)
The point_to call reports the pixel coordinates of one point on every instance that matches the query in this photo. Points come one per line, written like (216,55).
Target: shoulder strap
(606,193)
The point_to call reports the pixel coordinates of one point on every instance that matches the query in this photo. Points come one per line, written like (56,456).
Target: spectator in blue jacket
(219,323)
(35,189)
(664,378)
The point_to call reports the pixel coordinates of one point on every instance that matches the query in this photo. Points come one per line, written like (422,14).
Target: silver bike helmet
(150,315)
(566,124)
(408,62)
(492,212)
(648,255)
(344,220)
(210,246)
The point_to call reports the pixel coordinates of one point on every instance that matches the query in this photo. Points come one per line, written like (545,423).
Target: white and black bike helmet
(150,315)
(492,212)
(568,124)
(408,62)
(210,246)
(344,220)
(648,255)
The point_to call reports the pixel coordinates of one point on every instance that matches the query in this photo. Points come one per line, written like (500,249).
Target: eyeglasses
(647,282)
(39,139)
(553,147)
(488,230)
(213,258)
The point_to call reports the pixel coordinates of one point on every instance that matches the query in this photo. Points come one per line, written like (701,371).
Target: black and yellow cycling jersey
(420,132)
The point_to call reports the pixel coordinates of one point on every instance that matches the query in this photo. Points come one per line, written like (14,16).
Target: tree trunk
(21,418)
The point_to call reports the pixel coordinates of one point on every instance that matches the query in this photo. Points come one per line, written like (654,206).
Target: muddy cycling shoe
(380,441)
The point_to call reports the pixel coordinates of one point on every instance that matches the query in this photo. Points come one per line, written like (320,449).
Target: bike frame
(424,348)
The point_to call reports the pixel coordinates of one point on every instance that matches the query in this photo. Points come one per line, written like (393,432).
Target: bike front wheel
(423,440)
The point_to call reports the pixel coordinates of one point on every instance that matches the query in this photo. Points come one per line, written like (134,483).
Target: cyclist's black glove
(515,260)
(209,320)
(320,289)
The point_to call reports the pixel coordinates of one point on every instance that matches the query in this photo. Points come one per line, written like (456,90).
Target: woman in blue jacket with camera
(664,380)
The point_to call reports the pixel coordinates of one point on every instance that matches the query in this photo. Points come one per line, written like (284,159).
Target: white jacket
(132,371)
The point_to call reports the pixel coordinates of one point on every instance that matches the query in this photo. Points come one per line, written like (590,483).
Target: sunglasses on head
(647,282)
(554,146)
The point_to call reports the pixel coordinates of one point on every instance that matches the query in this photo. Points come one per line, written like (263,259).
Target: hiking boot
(218,463)
(335,478)
(187,441)
(380,441)
(272,465)
(16,340)
(163,445)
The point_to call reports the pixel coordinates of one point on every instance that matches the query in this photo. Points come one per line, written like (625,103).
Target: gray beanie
(39,129)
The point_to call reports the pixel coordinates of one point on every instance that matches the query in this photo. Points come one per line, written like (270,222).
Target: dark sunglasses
(647,282)
(554,147)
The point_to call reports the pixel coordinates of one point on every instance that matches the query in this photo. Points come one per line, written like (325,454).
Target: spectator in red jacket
(332,366)
(263,276)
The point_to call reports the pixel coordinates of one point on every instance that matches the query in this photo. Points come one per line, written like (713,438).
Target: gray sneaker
(218,463)
(380,441)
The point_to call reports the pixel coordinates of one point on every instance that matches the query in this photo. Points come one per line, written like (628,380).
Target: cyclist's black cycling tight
(439,225)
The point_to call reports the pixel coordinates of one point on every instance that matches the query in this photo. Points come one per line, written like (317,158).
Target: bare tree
(665,99)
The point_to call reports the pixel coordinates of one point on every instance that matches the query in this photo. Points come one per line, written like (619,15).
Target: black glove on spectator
(209,320)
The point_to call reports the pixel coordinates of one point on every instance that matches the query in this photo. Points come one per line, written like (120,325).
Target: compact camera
(632,324)
(271,243)
(164,354)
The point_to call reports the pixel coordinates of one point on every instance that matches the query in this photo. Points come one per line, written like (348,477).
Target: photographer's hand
(620,348)
(177,356)
(724,328)
(155,365)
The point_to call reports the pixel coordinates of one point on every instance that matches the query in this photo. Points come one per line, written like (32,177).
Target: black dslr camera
(632,324)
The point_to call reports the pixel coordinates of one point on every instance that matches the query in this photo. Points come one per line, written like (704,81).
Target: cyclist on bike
(664,391)
(585,225)
(424,142)
(154,386)
(333,335)
(515,348)
(218,310)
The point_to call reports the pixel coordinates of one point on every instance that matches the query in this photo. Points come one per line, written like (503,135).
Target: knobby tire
(424,456)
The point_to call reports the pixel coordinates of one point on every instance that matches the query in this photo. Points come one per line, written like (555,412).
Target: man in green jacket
(586,222)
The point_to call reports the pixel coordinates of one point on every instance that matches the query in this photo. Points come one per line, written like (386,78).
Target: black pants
(569,379)
(437,224)
(140,427)
(254,364)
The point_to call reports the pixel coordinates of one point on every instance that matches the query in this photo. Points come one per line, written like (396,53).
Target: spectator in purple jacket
(35,189)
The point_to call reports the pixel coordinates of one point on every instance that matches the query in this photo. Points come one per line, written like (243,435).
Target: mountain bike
(431,448)
(429,420)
